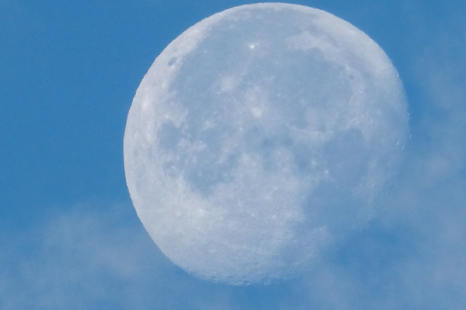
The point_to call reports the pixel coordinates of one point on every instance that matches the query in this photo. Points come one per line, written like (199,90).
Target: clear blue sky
(69,237)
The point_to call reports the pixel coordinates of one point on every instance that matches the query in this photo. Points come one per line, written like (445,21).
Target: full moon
(258,137)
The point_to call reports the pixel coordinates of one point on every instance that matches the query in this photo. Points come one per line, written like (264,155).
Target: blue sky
(69,236)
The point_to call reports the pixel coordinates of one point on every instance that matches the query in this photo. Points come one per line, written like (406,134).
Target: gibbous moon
(259,136)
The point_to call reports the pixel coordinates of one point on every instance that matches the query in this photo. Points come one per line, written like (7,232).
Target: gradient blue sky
(69,237)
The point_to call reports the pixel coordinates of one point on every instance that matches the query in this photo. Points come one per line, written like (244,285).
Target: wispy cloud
(78,260)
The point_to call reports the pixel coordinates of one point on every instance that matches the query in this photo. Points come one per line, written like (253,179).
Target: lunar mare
(260,135)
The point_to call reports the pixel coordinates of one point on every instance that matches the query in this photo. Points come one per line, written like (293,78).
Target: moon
(258,137)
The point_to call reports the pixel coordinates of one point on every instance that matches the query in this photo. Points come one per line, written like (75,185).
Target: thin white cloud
(77,260)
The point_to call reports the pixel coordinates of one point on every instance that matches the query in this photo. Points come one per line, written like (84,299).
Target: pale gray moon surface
(259,136)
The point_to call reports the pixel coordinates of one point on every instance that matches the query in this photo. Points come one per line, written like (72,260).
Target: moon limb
(257,136)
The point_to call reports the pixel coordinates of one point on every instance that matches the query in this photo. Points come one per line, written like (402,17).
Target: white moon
(259,135)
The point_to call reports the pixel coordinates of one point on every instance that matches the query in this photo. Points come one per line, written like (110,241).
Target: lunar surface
(258,137)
